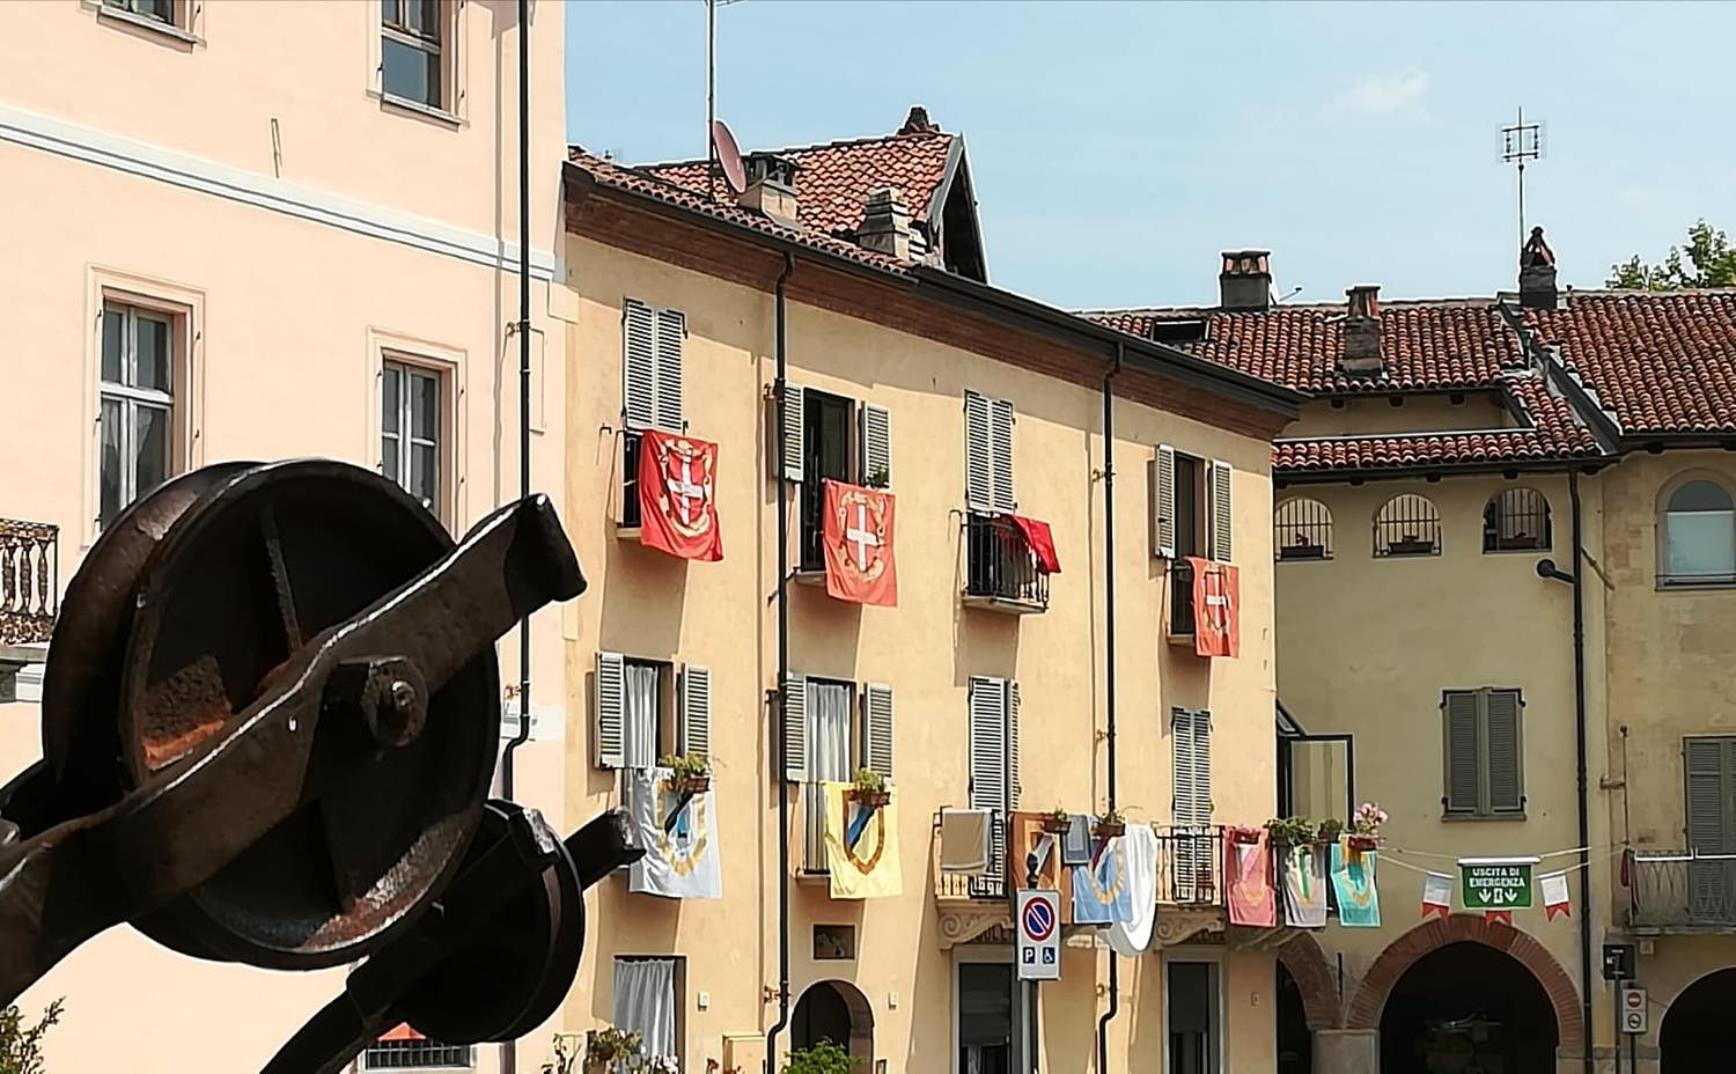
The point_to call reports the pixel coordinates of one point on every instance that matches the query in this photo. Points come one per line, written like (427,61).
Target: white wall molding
(220,180)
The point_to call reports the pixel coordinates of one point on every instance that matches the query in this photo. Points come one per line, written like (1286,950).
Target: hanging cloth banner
(1353,880)
(1025,837)
(682,859)
(1499,917)
(1496,883)
(1130,938)
(861,845)
(857,534)
(1217,600)
(1041,541)
(1304,871)
(1437,894)
(1555,897)
(677,496)
(1100,889)
(1252,901)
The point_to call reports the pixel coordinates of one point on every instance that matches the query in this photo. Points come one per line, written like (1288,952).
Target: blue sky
(1117,148)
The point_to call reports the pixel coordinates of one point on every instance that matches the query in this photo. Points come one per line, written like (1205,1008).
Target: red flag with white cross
(1217,599)
(857,535)
(678,495)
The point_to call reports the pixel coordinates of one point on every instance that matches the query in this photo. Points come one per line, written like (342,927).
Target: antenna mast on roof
(1519,143)
(711,7)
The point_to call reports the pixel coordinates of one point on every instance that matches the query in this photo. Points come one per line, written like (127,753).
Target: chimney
(1537,273)
(1245,282)
(1361,355)
(917,122)
(886,223)
(771,187)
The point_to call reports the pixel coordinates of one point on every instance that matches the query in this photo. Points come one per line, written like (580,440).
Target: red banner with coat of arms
(857,535)
(678,495)
(1217,599)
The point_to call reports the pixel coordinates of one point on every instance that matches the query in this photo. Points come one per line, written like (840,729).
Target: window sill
(1671,585)
(1517,551)
(156,26)
(1478,818)
(1302,559)
(389,103)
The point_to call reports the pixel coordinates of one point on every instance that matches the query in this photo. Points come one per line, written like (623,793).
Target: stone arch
(1370,999)
(1308,967)
(845,997)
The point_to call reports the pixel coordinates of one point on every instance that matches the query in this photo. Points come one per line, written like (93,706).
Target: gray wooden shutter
(695,730)
(1710,765)
(671,336)
(639,365)
(609,719)
(876,452)
(1505,763)
(795,701)
(1223,518)
(1001,438)
(1015,786)
(1462,751)
(793,454)
(877,728)
(1163,503)
(988,757)
(1202,767)
(1181,768)
(979,474)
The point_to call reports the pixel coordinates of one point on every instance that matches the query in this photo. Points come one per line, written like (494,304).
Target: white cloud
(1384,94)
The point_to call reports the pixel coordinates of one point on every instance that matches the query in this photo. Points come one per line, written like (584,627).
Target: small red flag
(678,496)
(857,534)
(1217,598)
(1042,542)
(1503,917)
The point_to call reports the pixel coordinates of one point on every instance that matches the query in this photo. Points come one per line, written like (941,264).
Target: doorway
(1295,1039)
(835,1012)
(986,1022)
(1467,1007)
(1193,1016)
(1698,1033)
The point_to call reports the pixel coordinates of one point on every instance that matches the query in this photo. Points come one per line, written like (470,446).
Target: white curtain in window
(641,707)
(645,1002)
(829,738)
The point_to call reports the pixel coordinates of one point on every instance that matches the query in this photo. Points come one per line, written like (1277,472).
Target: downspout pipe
(1109,667)
(779,386)
(1584,792)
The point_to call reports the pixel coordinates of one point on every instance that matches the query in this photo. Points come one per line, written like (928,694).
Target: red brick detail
(1307,964)
(1370,999)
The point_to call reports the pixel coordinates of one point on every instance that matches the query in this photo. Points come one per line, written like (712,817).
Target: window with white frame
(137,405)
(1698,528)
(412,65)
(162,11)
(410,430)
(648,1002)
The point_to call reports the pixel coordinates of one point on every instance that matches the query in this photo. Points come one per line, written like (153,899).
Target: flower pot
(1410,546)
(1110,829)
(871,799)
(691,785)
(1057,825)
(1364,842)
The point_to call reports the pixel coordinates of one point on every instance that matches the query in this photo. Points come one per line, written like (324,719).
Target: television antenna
(711,162)
(1521,142)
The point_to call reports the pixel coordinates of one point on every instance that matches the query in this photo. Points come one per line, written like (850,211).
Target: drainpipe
(1109,667)
(1580,735)
(778,388)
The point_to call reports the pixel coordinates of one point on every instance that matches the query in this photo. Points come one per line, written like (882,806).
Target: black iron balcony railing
(961,886)
(1181,603)
(29,581)
(1000,567)
(631,442)
(1682,889)
(1190,866)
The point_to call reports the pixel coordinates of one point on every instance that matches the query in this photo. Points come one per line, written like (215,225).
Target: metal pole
(1521,137)
(710,95)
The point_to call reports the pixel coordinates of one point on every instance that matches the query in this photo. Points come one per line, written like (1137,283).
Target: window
(831,438)
(1193,995)
(987,1024)
(648,1002)
(829,738)
(1484,753)
(1699,535)
(994,756)
(1407,525)
(1709,765)
(411,430)
(139,365)
(640,712)
(651,371)
(1302,529)
(405,1049)
(162,11)
(1191,515)
(1516,520)
(411,65)
(988,484)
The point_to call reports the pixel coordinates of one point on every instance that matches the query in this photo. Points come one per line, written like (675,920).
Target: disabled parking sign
(1038,918)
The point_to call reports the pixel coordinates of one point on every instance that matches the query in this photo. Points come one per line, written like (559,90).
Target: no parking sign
(1037,916)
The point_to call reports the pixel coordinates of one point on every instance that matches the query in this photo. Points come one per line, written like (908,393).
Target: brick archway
(1377,983)
(1307,964)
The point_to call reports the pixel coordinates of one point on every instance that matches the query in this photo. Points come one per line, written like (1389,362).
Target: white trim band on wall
(208,177)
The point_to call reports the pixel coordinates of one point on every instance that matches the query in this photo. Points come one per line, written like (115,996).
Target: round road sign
(1038,920)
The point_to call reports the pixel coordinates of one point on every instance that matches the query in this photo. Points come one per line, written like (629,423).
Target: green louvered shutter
(1462,751)
(1504,751)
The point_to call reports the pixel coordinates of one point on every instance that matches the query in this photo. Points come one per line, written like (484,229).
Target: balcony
(815,862)
(29,595)
(1001,571)
(628,518)
(1190,867)
(1181,601)
(972,908)
(1681,891)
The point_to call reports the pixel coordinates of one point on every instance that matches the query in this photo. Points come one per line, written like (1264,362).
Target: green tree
(1708,251)
(21,1044)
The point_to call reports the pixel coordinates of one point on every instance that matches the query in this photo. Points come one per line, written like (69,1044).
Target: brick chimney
(917,122)
(886,223)
(771,187)
(1245,281)
(1361,355)
(1537,273)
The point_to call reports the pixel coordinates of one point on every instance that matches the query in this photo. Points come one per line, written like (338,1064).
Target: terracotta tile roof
(614,175)
(835,179)
(1662,363)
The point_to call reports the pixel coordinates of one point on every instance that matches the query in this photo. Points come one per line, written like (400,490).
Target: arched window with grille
(1302,529)
(1697,534)
(1516,519)
(1407,525)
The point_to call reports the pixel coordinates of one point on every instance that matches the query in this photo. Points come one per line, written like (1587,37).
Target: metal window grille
(1516,519)
(1407,525)
(1681,889)
(631,444)
(418,1054)
(1302,529)
(1190,866)
(1181,598)
(1000,563)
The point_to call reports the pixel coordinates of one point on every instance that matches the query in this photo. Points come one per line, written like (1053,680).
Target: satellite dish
(728,156)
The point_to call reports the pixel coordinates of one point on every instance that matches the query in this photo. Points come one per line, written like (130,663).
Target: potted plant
(869,789)
(608,1048)
(1057,821)
(1290,831)
(689,773)
(1244,836)
(1365,826)
(1410,545)
(823,1058)
(878,478)
(1110,824)
(1328,830)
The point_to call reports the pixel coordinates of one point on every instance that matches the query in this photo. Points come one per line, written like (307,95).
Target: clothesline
(1595,859)
(1455,857)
